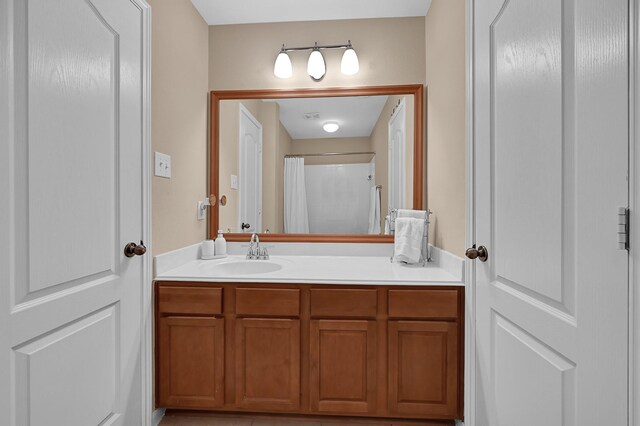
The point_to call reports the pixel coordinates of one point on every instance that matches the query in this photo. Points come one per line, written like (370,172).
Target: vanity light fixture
(330,127)
(349,64)
(282,68)
(316,66)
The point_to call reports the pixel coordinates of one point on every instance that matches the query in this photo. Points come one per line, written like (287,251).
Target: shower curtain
(296,217)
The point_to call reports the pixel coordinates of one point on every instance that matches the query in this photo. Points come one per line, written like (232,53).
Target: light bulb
(316,67)
(331,127)
(282,68)
(349,64)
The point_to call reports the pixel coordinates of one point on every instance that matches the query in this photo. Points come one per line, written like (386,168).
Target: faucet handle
(263,254)
(251,253)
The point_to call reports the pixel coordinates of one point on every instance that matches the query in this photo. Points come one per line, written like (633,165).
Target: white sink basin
(247,267)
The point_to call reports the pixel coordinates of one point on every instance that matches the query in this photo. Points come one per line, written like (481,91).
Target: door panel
(539,374)
(343,366)
(72,115)
(89,349)
(531,159)
(268,364)
(551,164)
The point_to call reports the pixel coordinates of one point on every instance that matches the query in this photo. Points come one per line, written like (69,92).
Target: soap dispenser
(220,244)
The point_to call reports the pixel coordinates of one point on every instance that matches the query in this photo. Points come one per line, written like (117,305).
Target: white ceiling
(222,12)
(356,116)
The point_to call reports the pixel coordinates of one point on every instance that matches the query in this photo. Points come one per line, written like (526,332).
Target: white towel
(387,230)
(408,239)
(418,214)
(374,211)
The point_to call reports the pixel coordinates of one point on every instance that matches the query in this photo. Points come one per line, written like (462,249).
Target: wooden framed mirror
(237,160)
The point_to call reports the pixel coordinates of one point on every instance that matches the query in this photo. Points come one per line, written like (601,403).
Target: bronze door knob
(480,253)
(133,249)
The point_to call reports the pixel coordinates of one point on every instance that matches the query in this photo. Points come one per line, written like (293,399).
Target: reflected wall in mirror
(313,163)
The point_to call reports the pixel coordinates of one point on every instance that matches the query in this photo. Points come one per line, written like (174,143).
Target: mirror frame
(417,90)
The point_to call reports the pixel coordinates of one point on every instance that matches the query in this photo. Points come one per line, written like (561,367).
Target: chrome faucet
(256,253)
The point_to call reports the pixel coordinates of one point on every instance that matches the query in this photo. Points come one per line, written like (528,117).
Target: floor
(200,419)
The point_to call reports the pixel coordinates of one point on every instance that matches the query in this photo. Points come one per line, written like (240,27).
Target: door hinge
(623,228)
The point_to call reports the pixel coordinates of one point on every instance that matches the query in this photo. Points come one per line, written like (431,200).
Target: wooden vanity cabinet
(190,348)
(425,352)
(343,366)
(267,346)
(365,351)
(343,350)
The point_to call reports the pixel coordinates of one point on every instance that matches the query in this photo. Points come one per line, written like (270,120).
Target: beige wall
(390,50)
(445,75)
(345,145)
(380,144)
(180,45)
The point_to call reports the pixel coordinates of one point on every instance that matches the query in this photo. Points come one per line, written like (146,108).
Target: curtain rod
(326,154)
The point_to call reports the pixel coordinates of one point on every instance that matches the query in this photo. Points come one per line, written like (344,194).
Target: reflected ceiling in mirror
(315,165)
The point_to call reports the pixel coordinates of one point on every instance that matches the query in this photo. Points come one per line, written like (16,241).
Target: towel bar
(425,253)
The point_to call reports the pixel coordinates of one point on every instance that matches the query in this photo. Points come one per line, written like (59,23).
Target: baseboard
(157,416)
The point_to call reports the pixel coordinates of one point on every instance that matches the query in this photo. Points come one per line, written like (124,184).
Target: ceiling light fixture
(316,66)
(330,127)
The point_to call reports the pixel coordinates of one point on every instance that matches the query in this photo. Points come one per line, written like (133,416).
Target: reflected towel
(408,239)
(374,211)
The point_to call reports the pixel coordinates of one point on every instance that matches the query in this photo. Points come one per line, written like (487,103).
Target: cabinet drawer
(423,304)
(268,301)
(190,300)
(344,303)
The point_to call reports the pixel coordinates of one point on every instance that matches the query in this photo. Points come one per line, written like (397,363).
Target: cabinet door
(190,362)
(343,366)
(423,368)
(268,364)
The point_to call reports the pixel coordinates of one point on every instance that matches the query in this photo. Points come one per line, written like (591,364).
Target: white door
(250,186)
(71,184)
(397,172)
(551,167)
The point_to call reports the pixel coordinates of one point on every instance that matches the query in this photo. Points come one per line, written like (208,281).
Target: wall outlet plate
(234,182)
(163,165)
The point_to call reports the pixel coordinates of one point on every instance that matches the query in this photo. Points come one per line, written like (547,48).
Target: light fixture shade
(350,64)
(330,127)
(283,68)
(316,67)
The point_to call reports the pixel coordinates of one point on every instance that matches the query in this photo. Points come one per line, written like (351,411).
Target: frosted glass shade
(282,68)
(349,64)
(316,67)
(331,127)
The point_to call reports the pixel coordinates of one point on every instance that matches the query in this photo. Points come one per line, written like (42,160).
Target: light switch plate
(163,165)
(200,214)
(234,182)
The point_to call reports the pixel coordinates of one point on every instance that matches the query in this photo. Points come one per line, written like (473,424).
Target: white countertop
(351,270)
